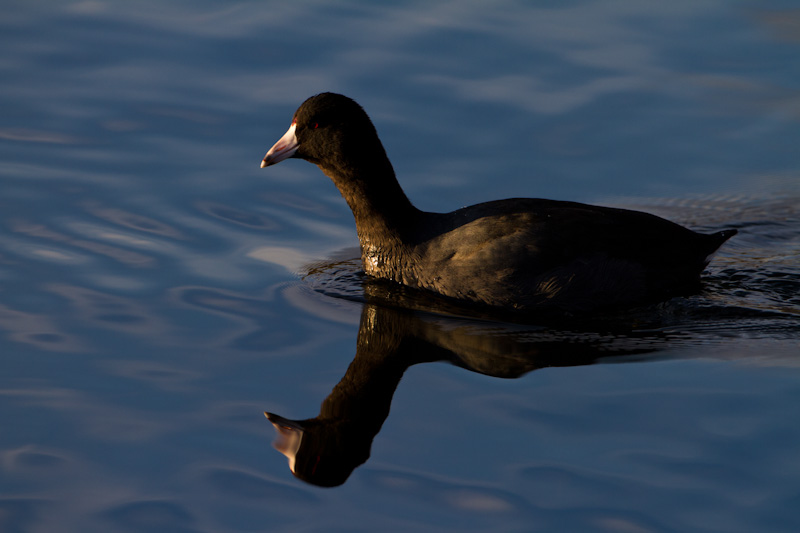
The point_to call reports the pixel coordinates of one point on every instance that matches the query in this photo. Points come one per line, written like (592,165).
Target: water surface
(159,291)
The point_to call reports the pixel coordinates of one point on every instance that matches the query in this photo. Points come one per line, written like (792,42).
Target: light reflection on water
(324,450)
(152,307)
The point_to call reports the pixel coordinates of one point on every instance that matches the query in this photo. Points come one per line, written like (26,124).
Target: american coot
(520,253)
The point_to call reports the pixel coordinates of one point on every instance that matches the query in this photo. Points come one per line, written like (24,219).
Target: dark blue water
(159,291)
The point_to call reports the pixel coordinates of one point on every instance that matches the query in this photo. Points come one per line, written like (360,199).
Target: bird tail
(718,239)
(724,235)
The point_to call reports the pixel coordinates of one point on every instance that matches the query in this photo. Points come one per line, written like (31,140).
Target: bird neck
(381,209)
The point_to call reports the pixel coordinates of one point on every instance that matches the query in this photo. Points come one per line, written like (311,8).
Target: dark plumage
(520,253)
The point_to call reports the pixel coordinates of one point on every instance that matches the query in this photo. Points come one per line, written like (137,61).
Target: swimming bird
(520,254)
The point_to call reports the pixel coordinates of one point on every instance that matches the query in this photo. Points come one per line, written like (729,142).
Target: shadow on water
(400,328)
(324,450)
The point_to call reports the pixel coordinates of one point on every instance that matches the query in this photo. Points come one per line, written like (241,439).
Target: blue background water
(151,300)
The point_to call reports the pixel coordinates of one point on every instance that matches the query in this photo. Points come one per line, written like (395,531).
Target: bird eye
(316,125)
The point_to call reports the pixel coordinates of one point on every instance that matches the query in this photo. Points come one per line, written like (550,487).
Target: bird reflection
(325,450)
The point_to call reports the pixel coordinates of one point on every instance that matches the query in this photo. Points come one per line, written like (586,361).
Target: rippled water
(159,292)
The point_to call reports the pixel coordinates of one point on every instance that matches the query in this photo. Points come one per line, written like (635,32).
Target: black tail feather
(724,235)
(718,239)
